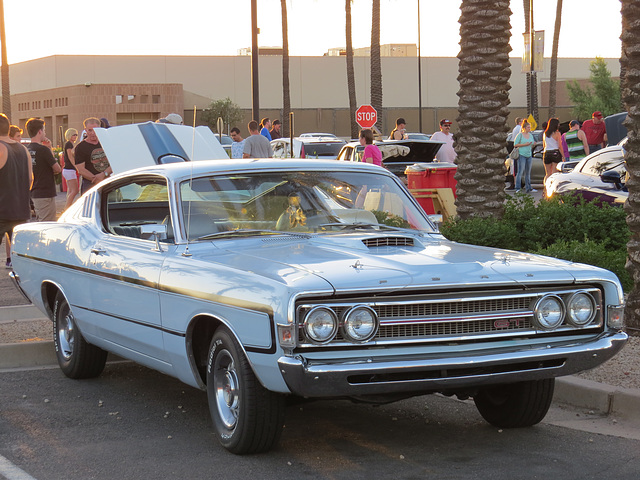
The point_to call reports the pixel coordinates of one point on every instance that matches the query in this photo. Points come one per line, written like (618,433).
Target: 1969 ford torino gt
(258,280)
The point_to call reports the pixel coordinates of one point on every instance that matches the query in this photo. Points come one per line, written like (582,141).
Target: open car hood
(147,144)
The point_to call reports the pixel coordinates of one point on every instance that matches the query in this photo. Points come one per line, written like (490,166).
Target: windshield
(311,202)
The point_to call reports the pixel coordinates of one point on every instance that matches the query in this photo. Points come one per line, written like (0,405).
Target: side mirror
(437,220)
(155,231)
(611,176)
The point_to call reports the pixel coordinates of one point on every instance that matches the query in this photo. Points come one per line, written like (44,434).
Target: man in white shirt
(446,152)
(516,130)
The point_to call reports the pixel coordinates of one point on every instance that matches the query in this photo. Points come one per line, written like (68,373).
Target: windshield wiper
(248,232)
(349,226)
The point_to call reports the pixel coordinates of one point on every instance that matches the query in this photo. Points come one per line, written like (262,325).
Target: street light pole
(4,69)
(255,79)
(419,76)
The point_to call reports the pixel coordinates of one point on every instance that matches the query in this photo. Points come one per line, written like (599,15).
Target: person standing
(264,125)
(372,153)
(596,132)
(446,152)
(16,177)
(69,171)
(552,155)
(237,147)
(90,160)
(524,142)
(45,167)
(577,144)
(398,132)
(275,130)
(256,145)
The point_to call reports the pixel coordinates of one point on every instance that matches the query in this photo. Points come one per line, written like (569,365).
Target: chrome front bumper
(16,281)
(428,372)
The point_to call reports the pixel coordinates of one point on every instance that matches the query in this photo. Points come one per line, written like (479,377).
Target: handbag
(515,154)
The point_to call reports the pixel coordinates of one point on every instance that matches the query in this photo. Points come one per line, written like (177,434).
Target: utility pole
(419,76)
(4,69)
(255,78)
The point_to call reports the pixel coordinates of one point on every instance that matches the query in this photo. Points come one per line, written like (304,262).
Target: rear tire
(77,358)
(248,418)
(515,405)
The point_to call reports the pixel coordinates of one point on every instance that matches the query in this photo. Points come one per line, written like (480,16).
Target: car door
(127,260)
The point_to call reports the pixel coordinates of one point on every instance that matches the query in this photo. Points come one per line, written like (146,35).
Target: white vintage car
(258,280)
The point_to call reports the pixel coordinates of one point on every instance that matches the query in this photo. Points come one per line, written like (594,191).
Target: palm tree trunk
(631,97)
(351,79)
(553,73)
(286,94)
(4,70)
(376,68)
(483,107)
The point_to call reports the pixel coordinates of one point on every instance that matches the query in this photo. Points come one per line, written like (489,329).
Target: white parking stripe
(9,471)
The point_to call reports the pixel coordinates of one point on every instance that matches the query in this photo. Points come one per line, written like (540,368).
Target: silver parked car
(256,282)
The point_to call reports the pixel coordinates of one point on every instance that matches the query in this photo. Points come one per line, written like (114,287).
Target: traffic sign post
(366,116)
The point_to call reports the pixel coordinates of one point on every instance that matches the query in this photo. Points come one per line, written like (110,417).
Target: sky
(590,28)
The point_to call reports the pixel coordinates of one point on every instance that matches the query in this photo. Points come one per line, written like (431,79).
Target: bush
(567,228)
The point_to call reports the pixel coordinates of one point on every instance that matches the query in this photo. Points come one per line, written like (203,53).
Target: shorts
(7,226)
(45,209)
(69,174)
(552,156)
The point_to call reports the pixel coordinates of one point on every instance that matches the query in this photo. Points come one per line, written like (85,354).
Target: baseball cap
(573,123)
(174,118)
(444,121)
(276,122)
(597,114)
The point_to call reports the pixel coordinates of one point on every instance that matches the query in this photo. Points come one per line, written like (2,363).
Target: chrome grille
(450,317)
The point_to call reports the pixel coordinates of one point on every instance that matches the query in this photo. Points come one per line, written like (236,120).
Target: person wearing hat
(398,132)
(576,140)
(275,130)
(446,152)
(595,131)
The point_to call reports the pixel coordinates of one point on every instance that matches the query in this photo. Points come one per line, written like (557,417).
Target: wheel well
(199,336)
(49,292)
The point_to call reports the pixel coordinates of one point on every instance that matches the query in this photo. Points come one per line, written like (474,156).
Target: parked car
(417,136)
(256,282)
(397,154)
(307,147)
(316,134)
(226,141)
(601,175)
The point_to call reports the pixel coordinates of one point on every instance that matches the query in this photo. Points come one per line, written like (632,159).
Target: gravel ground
(623,370)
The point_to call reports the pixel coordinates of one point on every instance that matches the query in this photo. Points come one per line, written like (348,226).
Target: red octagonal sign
(366,116)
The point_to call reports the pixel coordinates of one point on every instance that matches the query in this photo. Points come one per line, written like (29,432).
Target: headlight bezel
(306,324)
(537,313)
(569,316)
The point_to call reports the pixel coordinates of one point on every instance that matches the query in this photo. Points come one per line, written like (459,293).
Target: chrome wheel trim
(66,335)
(227,389)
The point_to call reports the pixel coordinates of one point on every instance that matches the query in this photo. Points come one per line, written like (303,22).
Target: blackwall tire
(77,358)
(247,417)
(515,405)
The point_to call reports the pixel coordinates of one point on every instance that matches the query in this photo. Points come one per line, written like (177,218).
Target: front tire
(77,358)
(515,405)
(248,418)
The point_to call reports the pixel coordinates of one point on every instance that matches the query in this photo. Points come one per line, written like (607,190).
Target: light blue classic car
(259,280)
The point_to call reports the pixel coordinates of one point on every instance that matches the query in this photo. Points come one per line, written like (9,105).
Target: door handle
(98,251)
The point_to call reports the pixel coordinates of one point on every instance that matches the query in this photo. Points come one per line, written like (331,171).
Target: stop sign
(366,116)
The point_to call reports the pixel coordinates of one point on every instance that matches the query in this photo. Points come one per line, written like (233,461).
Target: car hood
(347,263)
(147,144)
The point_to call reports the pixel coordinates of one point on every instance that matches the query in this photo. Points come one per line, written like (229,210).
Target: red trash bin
(426,182)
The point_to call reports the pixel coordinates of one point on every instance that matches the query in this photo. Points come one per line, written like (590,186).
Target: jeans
(524,166)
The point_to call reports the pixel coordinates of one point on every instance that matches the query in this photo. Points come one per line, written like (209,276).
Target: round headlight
(320,325)
(549,312)
(581,309)
(360,324)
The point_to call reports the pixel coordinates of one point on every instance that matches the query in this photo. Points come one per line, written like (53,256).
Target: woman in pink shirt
(372,153)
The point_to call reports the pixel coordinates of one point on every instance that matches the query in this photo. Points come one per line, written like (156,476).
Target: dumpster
(433,185)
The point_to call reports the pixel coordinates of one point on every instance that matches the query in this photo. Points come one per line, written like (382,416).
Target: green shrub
(488,232)
(592,253)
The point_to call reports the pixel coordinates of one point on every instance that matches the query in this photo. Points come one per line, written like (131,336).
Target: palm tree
(484,72)
(630,60)
(286,94)
(4,70)
(351,80)
(376,68)
(553,73)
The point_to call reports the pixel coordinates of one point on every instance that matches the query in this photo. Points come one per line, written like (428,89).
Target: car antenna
(186,253)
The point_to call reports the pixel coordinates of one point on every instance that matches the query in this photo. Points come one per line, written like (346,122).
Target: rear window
(322,149)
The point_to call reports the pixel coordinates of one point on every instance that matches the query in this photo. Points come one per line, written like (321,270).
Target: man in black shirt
(15,182)
(91,161)
(45,167)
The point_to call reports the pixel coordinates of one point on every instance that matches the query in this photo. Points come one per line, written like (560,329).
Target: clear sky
(220,27)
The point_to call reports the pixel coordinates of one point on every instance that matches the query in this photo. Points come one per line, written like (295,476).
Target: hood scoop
(388,242)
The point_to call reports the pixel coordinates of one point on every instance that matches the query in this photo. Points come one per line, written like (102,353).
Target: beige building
(65,89)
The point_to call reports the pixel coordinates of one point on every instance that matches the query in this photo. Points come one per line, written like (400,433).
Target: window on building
(155,98)
(118,99)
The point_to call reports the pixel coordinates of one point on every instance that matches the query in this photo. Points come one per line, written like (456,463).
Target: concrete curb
(573,391)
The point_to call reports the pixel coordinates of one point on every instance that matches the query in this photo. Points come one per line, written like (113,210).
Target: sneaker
(533,190)
(8,264)
(518,191)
